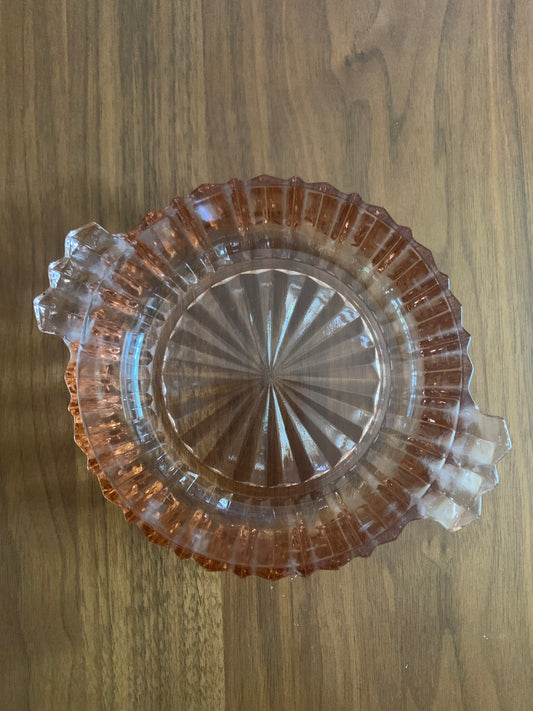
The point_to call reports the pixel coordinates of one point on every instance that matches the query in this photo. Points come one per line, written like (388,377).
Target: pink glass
(271,377)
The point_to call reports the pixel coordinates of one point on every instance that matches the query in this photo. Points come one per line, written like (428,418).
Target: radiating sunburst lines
(322,343)
(221,324)
(332,315)
(271,377)
(310,300)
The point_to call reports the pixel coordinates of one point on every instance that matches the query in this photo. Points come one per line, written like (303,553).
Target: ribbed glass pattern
(270,376)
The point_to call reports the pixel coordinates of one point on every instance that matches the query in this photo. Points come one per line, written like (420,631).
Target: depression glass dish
(270,377)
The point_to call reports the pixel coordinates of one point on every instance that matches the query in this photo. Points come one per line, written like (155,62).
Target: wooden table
(110,108)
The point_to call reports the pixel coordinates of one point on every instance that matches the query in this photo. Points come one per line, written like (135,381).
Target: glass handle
(89,252)
(469,471)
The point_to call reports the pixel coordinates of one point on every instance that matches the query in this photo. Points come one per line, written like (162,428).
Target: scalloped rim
(80,436)
(210,564)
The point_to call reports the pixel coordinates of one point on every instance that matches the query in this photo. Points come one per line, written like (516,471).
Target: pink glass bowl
(271,377)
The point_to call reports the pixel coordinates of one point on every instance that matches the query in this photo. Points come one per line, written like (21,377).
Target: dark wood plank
(94,617)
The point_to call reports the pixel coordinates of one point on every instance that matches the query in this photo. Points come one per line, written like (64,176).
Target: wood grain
(108,109)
